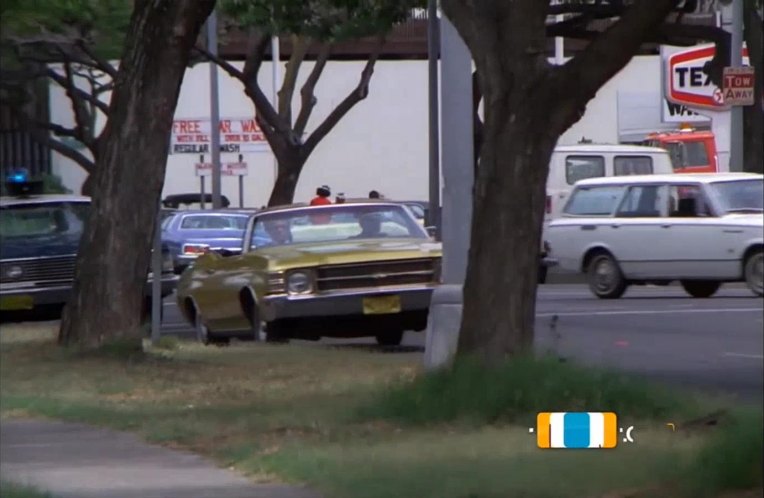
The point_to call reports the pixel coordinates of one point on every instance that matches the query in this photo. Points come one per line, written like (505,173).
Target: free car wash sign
(237,135)
(685,82)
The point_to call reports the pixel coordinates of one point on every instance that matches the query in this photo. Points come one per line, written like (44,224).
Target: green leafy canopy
(324,20)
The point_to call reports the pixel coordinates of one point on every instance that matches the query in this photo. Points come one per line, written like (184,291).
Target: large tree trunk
(753,116)
(113,261)
(290,164)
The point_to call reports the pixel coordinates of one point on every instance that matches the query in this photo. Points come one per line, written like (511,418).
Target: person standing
(375,195)
(322,196)
(340,199)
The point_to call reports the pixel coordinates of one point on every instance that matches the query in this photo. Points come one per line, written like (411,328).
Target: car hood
(40,246)
(357,251)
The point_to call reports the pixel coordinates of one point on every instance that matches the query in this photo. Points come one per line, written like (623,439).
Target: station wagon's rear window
(583,167)
(214,222)
(632,165)
(594,201)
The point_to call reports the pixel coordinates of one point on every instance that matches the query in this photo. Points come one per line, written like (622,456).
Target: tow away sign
(738,85)
(685,81)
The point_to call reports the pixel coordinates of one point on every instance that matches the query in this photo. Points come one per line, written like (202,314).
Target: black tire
(204,335)
(604,276)
(255,324)
(701,288)
(392,338)
(752,271)
(276,332)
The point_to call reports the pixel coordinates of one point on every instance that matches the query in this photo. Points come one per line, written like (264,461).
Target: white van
(571,163)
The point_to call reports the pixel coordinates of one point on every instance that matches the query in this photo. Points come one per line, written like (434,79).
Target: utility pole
(433,54)
(736,60)
(276,61)
(212,47)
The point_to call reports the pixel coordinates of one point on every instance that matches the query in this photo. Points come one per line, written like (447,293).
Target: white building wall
(382,143)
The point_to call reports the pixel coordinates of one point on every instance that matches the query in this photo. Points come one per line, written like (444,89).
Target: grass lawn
(350,424)
(12,490)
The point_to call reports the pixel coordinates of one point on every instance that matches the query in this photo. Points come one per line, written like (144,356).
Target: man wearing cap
(340,199)
(322,196)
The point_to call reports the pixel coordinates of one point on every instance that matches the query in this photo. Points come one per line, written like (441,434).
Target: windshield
(40,219)
(739,196)
(335,223)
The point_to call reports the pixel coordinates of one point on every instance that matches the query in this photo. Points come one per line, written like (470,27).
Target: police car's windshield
(40,219)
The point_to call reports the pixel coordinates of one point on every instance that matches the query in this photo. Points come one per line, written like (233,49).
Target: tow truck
(691,150)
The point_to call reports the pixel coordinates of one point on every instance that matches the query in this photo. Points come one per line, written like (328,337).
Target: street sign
(226,169)
(237,135)
(738,85)
(685,81)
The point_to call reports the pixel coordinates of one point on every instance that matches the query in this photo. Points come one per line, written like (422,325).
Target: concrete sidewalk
(79,461)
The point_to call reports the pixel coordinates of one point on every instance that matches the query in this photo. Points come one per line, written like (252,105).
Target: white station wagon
(699,229)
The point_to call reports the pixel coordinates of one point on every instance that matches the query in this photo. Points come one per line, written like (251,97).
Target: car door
(694,240)
(636,229)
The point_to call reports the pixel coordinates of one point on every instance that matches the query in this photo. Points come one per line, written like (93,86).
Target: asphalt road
(713,344)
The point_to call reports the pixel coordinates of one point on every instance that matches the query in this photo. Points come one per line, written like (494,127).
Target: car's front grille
(377,274)
(55,269)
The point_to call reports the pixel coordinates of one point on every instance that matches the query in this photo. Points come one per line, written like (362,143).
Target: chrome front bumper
(341,303)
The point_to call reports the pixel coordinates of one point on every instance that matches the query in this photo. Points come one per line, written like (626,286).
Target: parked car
(357,269)
(699,229)
(189,233)
(39,239)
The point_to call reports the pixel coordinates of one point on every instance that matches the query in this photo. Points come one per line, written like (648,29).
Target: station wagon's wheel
(754,272)
(605,278)
(701,288)
(390,338)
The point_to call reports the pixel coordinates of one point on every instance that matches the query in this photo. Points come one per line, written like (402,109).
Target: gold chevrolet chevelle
(360,269)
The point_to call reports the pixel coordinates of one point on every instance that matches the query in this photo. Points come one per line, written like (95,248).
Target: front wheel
(701,288)
(754,272)
(605,278)
(203,334)
(276,332)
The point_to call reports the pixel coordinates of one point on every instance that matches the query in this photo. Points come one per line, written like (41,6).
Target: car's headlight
(13,272)
(300,282)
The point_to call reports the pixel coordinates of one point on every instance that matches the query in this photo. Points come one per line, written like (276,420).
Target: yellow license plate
(381,305)
(15,303)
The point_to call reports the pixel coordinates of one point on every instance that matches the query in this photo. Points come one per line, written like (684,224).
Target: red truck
(692,151)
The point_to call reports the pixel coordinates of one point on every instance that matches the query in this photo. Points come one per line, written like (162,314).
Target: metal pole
(204,194)
(736,60)
(433,54)
(559,45)
(275,62)
(241,184)
(156,282)
(212,47)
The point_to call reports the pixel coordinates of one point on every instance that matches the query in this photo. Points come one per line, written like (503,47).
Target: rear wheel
(754,272)
(391,338)
(605,278)
(543,270)
(204,335)
(701,288)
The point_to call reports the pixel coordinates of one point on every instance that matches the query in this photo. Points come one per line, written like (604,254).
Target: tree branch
(360,92)
(39,135)
(300,46)
(99,62)
(609,53)
(81,118)
(308,90)
(77,92)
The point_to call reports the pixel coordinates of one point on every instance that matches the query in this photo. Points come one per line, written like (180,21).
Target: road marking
(649,312)
(745,355)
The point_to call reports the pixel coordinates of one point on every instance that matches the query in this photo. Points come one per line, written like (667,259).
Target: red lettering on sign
(185,138)
(202,138)
(249,126)
(225,126)
(232,138)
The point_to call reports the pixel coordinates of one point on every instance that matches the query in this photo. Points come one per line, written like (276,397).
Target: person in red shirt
(322,196)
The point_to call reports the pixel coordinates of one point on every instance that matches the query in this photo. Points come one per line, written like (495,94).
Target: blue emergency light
(18,184)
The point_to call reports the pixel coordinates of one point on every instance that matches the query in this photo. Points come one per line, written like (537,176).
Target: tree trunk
(290,164)
(500,323)
(753,116)
(113,261)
